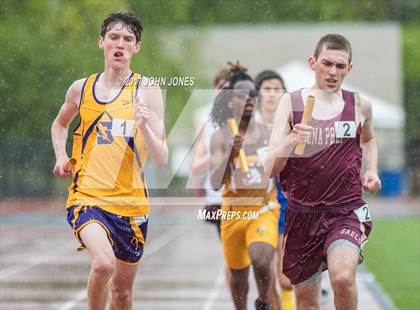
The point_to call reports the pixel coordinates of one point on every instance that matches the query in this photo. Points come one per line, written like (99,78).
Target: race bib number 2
(363,214)
(345,129)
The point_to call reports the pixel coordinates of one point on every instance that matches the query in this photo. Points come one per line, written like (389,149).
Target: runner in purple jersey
(327,221)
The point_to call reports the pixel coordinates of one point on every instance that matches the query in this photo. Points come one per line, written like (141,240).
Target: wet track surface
(182,267)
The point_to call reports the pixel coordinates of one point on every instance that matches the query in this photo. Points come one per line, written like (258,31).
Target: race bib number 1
(345,129)
(122,127)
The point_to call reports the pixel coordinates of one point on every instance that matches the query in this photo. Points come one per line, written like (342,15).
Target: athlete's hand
(59,170)
(371,182)
(142,113)
(300,133)
(236,144)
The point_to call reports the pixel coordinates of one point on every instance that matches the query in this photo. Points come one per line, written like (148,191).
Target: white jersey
(258,117)
(212,196)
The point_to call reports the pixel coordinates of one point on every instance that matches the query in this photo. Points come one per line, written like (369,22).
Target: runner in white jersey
(200,163)
(201,153)
(271,88)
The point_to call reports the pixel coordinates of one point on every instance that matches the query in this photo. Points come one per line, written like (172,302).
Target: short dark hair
(238,74)
(333,42)
(134,24)
(220,111)
(268,75)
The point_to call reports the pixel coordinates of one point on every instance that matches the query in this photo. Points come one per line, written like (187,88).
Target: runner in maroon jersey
(327,221)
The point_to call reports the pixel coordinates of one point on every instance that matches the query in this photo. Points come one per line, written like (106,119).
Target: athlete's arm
(201,156)
(149,113)
(283,138)
(371,182)
(60,126)
(218,159)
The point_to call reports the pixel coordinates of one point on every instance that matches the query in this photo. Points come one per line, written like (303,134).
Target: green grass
(393,255)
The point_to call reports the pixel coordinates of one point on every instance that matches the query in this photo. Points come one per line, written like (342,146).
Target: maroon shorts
(309,233)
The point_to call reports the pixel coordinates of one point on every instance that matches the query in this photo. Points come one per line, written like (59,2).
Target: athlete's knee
(342,281)
(262,265)
(121,296)
(261,253)
(103,267)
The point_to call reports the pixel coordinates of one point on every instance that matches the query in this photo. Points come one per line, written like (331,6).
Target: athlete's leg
(96,241)
(343,258)
(273,296)
(239,287)
(307,293)
(261,256)
(325,286)
(122,286)
(287,294)
(237,260)
(228,276)
(283,280)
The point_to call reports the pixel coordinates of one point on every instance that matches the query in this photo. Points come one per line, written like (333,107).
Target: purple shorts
(127,235)
(309,233)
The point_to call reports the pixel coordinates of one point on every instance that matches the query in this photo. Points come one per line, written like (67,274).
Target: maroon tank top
(328,174)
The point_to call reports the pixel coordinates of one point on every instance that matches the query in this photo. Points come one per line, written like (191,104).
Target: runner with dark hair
(246,241)
(122,122)
(327,221)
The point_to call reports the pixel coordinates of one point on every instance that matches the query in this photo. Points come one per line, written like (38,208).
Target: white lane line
(163,240)
(154,247)
(218,285)
(81,295)
(32,262)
